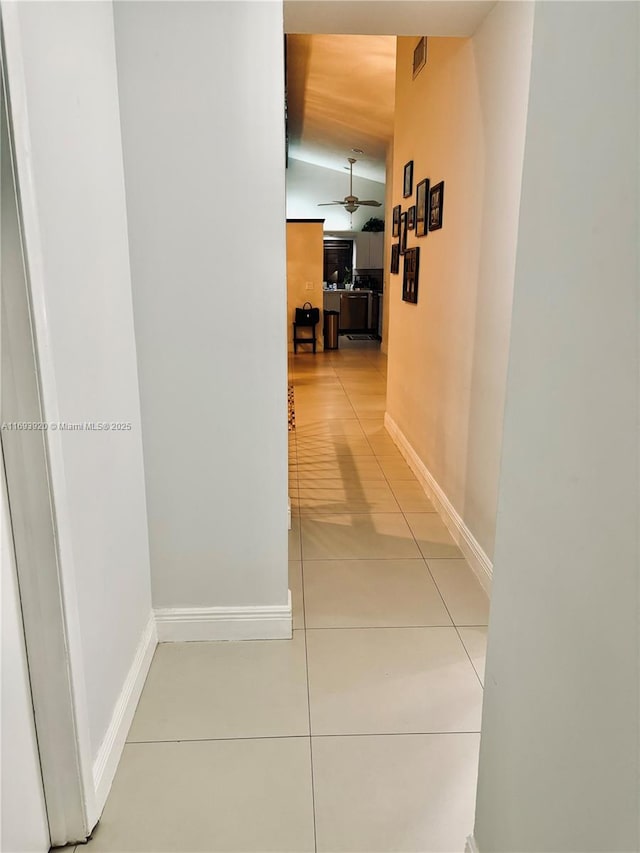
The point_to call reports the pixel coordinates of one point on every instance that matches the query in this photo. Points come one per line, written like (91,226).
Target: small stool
(298,340)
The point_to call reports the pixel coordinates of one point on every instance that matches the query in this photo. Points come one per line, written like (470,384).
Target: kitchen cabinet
(376,251)
(368,250)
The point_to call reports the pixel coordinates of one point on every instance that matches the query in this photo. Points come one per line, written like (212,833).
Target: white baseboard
(471,846)
(104,767)
(464,538)
(184,624)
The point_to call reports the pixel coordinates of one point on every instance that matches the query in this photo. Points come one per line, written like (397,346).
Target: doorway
(62,769)
(439,358)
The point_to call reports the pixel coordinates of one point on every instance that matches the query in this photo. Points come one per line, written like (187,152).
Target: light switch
(308,285)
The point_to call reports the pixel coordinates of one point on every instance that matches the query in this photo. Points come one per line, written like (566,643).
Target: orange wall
(304,264)
(462,120)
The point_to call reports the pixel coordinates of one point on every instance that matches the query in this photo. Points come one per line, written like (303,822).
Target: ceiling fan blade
(371,203)
(329,203)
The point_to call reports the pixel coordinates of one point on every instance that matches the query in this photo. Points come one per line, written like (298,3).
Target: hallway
(384,670)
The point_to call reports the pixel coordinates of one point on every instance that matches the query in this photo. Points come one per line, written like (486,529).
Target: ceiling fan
(351,202)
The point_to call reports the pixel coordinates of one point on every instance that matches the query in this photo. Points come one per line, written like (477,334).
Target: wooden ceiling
(341,94)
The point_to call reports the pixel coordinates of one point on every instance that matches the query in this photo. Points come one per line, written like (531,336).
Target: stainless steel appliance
(374,320)
(354,311)
(331,328)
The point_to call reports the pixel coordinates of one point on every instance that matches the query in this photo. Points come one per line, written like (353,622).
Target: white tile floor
(362,733)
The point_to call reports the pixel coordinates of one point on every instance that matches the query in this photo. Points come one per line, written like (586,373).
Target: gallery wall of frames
(423,214)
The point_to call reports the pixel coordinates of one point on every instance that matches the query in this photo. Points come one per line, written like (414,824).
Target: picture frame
(395,259)
(422,200)
(411,218)
(419,56)
(407,184)
(410,277)
(436,204)
(396,221)
(403,233)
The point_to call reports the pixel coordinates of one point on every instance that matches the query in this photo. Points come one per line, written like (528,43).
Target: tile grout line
(306,661)
(313,781)
(425,560)
(348,396)
(457,626)
(453,621)
(392,627)
(386,480)
(302,555)
(301,737)
(333,559)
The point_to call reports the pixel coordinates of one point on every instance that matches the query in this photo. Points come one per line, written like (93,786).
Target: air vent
(419,56)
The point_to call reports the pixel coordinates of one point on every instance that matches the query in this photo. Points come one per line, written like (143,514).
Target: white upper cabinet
(368,250)
(376,250)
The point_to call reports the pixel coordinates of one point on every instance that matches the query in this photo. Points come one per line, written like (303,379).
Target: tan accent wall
(462,120)
(304,264)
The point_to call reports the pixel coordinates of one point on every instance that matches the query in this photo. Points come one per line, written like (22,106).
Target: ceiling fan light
(350,202)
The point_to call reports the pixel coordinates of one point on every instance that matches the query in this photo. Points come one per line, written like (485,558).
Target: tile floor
(362,733)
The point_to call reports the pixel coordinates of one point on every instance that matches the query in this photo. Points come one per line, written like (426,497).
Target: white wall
(23,820)
(308,185)
(502,53)
(201,91)
(405,17)
(70,166)
(462,120)
(559,753)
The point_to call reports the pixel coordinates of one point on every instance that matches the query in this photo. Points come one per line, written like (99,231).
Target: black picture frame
(395,232)
(407,184)
(410,276)
(403,232)
(436,204)
(411,218)
(395,258)
(422,202)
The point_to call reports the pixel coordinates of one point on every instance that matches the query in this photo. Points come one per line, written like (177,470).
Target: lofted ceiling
(341,93)
(341,86)
(386,17)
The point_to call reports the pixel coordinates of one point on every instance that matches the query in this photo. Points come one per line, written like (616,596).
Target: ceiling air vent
(419,56)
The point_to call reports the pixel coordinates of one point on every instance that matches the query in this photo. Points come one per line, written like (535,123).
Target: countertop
(355,291)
